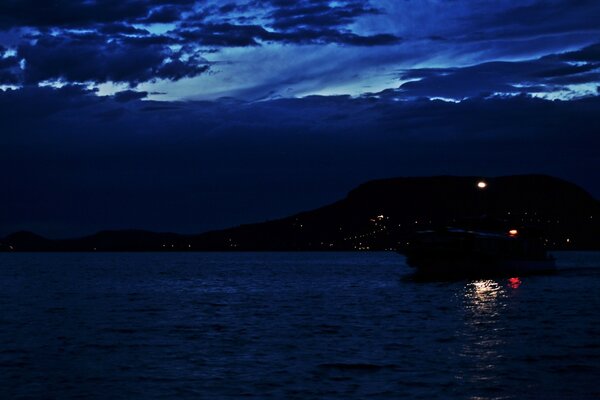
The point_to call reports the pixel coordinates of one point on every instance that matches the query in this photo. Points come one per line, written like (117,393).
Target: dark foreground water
(291,325)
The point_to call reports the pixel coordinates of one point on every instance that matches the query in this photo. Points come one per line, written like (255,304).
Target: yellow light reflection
(484,301)
(483,295)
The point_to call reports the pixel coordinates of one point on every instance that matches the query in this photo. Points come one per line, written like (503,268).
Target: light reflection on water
(484,296)
(484,303)
(488,296)
(514,283)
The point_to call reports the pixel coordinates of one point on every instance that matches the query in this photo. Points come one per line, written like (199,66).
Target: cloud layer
(216,48)
(555,73)
(114,41)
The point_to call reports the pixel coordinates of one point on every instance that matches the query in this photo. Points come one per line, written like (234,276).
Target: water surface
(291,325)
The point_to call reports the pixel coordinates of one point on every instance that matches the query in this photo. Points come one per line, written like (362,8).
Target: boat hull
(475,265)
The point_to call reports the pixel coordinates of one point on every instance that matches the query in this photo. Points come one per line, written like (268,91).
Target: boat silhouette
(467,252)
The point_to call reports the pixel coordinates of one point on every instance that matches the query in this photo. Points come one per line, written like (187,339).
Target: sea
(292,326)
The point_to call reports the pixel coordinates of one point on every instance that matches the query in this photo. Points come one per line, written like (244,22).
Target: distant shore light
(513,232)
(482,184)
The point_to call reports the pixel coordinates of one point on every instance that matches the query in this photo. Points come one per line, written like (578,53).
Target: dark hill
(26,241)
(379,214)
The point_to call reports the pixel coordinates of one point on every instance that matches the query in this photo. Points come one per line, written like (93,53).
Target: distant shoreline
(376,216)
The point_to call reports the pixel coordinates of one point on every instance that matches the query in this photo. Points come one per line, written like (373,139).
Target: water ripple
(294,326)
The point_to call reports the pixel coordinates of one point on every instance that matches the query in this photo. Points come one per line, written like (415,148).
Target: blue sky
(178,115)
(265,49)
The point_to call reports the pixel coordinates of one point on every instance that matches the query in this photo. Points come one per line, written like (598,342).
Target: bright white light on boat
(513,232)
(481,184)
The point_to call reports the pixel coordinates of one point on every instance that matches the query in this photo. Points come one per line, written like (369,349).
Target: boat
(466,252)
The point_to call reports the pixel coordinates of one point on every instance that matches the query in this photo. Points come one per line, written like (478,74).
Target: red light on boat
(513,232)
(514,283)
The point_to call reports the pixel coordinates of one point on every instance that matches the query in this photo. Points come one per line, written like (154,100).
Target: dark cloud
(90,58)
(83,41)
(546,74)
(163,14)
(324,36)
(10,71)
(319,21)
(459,83)
(373,40)
(101,41)
(317,14)
(540,17)
(129,95)
(564,70)
(227,35)
(297,22)
(81,13)
(589,54)
(230,35)
(121,29)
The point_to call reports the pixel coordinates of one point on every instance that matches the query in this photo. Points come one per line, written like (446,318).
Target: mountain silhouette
(378,215)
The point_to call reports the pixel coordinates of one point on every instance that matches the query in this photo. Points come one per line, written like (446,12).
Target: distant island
(377,215)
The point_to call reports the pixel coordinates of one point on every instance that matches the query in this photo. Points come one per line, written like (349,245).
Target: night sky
(185,116)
